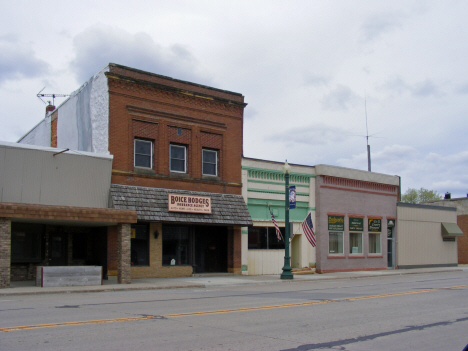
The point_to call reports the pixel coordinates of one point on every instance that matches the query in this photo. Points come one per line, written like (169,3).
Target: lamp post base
(287,274)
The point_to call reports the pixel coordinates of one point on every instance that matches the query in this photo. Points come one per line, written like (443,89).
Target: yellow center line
(244,309)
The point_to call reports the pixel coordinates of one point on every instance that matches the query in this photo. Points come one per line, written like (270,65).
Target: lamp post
(287,259)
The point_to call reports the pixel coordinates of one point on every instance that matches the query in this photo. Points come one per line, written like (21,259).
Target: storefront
(180,233)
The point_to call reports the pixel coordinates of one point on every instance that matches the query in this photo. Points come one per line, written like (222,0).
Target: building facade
(54,212)
(427,236)
(461,204)
(353,213)
(177,149)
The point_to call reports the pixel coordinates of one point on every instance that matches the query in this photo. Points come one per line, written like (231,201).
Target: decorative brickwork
(123,261)
(359,184)
(5,252)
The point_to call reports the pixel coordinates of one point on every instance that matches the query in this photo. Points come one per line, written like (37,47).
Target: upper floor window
(143,153)
(178,155)
(210,162)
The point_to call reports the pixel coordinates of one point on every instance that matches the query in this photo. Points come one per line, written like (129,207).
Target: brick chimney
(49,108)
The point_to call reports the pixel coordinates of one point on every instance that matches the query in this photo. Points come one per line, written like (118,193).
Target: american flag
(308,228)
(278,232)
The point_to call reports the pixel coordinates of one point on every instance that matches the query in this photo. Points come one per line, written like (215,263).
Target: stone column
(123,259)
(5,252)
(234,250)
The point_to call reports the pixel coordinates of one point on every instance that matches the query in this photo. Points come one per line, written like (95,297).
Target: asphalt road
(408,312)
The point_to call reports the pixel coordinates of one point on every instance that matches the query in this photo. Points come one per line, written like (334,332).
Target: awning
(151,204)
(451,230)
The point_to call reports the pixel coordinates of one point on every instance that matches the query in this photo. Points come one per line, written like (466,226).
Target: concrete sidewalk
(205,281)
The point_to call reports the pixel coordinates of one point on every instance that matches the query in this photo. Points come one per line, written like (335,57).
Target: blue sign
(292,197)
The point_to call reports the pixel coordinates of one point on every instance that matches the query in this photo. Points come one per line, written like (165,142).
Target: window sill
(335,256)
(210,177)
(356,256)
(374,256)
(143,170)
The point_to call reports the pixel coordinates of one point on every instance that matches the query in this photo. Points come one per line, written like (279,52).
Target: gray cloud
(425,88)
(341,98)
(17,60)
(373,27)
(316,80)
(97,46)
(463,89)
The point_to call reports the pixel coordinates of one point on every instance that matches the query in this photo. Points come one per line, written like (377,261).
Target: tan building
(461,204)
(426,236)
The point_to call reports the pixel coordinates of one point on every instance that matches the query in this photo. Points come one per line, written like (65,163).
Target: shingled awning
(151,204)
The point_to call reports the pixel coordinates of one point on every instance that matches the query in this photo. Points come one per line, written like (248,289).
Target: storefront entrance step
(214,274)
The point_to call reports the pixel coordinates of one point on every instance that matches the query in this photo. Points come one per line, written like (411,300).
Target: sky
(318,76)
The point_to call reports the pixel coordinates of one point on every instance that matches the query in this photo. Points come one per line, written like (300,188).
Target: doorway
(390,247)
(210,249)
(58,248)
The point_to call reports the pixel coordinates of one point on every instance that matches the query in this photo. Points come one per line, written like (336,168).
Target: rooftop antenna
(367,138)
(53,96)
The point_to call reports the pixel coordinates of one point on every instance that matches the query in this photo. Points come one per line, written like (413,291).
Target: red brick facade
(168,112)
(165,111)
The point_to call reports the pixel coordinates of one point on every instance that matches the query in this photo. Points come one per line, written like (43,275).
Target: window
(178,156)
(374,243)
(335,243)
(175,245)
(143,153)
(140,245)
(355,243)
(210,162)
(264,238)
(26,242)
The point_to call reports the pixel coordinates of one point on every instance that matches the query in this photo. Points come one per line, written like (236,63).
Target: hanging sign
(336,223)
(374,225)
(356,224)
(189,203)
(292,196)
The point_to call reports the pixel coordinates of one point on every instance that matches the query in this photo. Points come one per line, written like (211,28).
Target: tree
(415,196)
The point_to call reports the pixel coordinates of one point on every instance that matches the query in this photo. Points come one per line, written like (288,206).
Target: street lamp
(287,259)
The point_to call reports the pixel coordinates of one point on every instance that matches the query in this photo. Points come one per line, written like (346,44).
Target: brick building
(169,139)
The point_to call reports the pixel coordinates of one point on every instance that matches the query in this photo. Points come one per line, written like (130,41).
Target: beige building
(426,236)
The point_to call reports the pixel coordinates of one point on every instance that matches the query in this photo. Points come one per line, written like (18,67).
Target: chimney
(447,196)
(49,108)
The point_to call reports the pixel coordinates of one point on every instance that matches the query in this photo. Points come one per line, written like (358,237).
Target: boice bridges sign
(189,203)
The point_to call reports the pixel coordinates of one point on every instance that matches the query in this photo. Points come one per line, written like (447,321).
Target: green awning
(451,230)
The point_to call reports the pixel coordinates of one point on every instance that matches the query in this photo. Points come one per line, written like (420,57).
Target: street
(398,312)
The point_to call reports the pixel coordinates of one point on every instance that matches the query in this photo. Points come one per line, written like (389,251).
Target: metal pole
(287,274)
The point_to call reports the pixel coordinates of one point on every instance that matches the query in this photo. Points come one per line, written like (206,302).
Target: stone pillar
(5,252)
(234,250)
(123,259)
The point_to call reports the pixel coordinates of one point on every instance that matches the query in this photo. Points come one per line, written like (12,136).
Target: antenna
(53,96)
(367,138)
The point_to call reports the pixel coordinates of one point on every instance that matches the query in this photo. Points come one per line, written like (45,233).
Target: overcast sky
(307,69)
